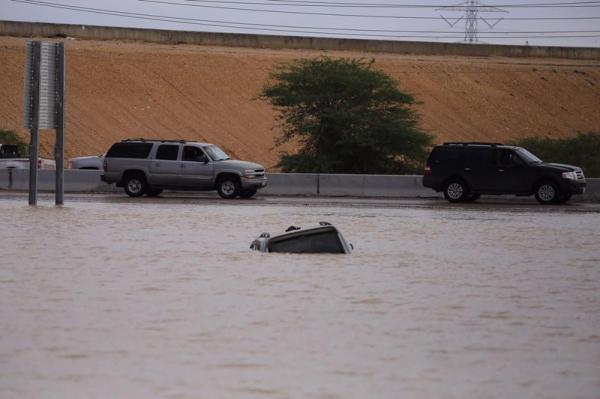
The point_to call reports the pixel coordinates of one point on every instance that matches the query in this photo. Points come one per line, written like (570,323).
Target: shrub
(11,137)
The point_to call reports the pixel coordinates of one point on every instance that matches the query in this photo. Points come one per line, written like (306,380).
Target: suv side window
(129,150)
(478,157)
(194,154)
(506,157)
(167,152)
(441,155)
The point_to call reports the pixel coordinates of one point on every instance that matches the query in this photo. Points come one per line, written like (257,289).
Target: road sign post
(44,107)
(59,153)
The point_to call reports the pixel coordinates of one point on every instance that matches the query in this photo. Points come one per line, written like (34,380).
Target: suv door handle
(157,164)
(500,170)
(182,165)
(467,169)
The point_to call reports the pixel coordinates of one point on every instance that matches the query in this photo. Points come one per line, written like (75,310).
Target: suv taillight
(105,165)
(39,164)
(427,171)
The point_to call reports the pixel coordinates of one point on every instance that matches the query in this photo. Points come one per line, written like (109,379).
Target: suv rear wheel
(546,192)
(135,185)
(455,190)
(228,186)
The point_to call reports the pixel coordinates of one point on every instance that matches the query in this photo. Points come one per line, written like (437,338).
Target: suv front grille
(579,174)
(258,173)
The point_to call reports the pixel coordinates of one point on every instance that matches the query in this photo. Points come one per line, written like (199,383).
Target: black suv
(464,171)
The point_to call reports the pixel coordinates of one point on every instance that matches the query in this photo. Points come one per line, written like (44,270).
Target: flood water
(159,299)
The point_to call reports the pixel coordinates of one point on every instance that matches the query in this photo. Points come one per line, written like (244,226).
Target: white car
(10,158)
(93,162)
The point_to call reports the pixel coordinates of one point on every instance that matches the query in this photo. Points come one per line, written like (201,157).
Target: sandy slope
(123,89)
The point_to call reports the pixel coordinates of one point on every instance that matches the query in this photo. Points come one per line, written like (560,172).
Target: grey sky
(281,18)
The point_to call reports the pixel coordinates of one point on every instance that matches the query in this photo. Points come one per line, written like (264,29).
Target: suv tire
(455,190)
(228,186)
(546,193)
(135,184)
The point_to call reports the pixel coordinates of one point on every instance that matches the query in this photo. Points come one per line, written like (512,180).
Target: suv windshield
(215,153)
(527,156)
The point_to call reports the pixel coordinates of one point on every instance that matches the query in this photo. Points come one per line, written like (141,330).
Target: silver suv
(144,166)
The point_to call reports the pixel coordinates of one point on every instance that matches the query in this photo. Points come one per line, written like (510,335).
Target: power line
(328,4)
(258,26)
(315,3)
(66,6)
(194,4)
(317,31)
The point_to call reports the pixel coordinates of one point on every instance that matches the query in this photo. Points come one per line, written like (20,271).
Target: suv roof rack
(159,140)
(471,143)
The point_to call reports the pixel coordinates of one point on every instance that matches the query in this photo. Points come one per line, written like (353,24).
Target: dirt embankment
(119,90)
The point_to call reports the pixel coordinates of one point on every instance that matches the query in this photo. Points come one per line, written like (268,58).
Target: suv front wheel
(135,185)
(228,187)
(546,192)
(455,190)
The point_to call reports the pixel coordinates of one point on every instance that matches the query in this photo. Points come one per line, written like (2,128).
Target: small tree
(10,137)
(347,117)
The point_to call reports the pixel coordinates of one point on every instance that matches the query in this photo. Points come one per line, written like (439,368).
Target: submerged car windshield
(527,156)
(215,153)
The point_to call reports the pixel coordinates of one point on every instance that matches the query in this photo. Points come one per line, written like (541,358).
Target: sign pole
(34,127)
(59,152)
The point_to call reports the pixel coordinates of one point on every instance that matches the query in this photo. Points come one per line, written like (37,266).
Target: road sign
(48,58)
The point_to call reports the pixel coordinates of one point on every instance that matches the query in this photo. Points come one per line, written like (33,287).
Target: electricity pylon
(472,9)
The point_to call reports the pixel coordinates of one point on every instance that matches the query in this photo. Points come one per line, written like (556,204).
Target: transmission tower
(472,10)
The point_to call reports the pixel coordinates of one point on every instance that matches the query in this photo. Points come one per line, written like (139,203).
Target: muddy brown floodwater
(165,300)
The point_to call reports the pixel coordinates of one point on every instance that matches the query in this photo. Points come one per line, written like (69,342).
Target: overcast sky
(419,20)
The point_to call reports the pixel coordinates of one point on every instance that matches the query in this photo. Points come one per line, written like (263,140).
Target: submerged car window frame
(275,245)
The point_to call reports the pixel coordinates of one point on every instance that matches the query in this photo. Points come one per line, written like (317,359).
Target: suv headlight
(569,175)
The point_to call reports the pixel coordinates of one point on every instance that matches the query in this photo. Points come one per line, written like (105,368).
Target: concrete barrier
(309,184)
(75,180)
(292,184)
(373,186)
(32,29)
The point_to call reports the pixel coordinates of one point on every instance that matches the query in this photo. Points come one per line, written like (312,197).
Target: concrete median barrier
(309,184)
(75,180)
(292,184)
(373,186)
